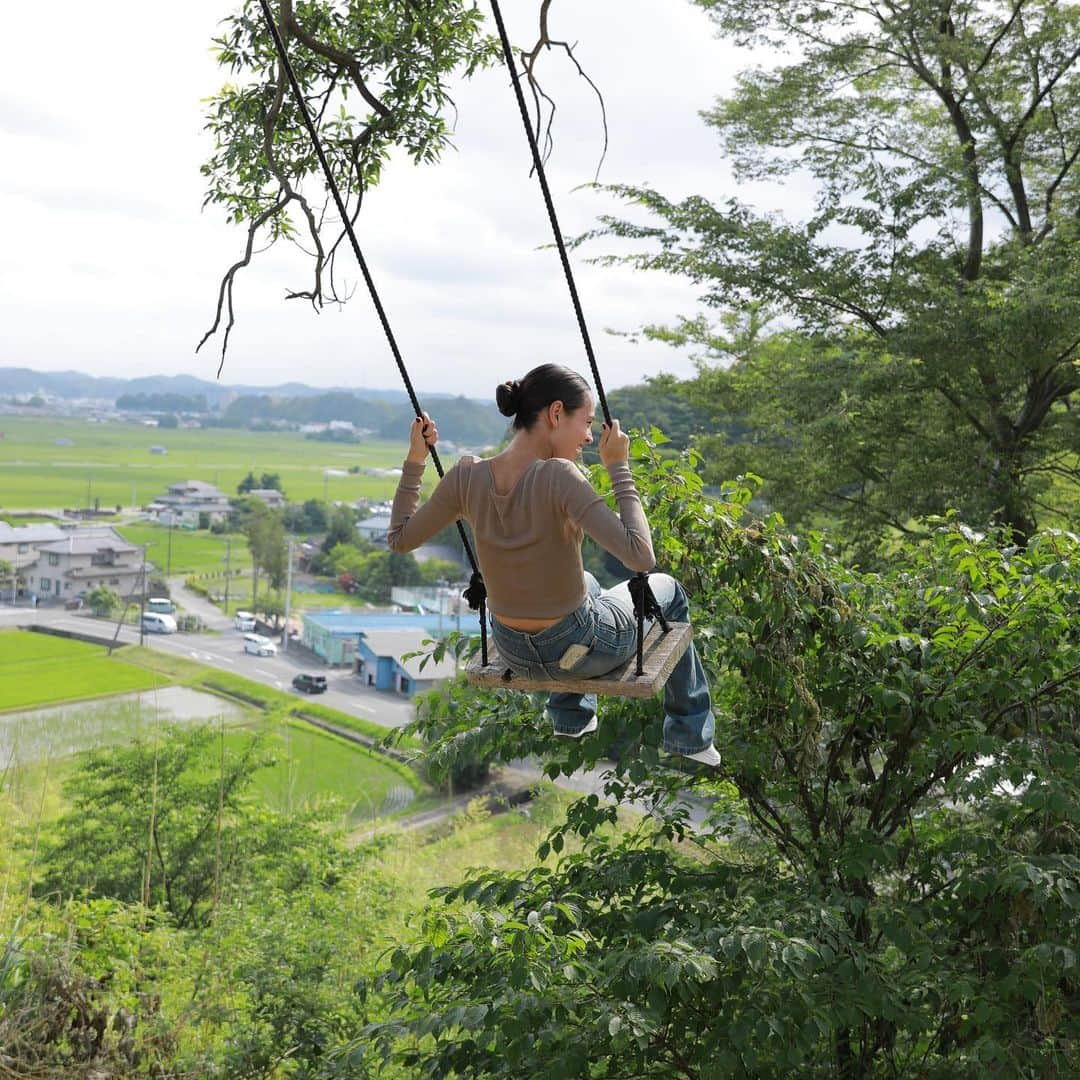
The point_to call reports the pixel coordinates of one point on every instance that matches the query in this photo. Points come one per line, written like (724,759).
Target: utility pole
(228,570)
(142,598)
(288,598)
(168,558)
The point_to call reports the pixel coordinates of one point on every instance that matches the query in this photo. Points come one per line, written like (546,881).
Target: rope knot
(646,605)
(476,593)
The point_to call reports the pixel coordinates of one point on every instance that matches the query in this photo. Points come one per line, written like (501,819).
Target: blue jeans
(602,635)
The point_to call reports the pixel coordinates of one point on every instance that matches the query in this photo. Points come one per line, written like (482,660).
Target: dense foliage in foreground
(884,883)
(888,883)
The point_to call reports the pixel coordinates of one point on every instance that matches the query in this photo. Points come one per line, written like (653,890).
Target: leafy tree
(393,59)
(434,571)
(308,518)
(162,822)
(270,482)
(169,420)
(265,532)
(347,559)
(937,280)
(375,572)
(266,482)
(272,607)
(659,402)
(102,600)
(887,881)
(341,528)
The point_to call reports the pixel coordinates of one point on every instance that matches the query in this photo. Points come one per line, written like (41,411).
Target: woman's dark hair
(525,399)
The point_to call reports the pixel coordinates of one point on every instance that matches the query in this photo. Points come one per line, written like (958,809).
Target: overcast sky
(108,265)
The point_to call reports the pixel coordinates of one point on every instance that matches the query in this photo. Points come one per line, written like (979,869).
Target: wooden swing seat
(660,654)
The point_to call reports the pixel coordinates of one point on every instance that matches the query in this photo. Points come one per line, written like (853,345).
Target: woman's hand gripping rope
(423,434)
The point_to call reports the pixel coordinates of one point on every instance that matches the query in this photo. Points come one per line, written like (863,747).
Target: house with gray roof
(186,501)
(82,560)
(374,529)
(18,549)
(271,496)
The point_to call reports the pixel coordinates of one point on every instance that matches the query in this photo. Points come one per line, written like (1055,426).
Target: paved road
(226,651)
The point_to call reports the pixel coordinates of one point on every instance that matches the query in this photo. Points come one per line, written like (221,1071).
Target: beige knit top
(528,541)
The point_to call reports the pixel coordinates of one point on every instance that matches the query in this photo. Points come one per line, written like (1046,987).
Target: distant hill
(466,421)
(76,384)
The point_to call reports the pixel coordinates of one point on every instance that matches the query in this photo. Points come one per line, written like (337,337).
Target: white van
(162,605)
(244,620)
(154,623)
(258,645)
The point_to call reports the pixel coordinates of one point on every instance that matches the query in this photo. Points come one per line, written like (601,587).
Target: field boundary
(72,635)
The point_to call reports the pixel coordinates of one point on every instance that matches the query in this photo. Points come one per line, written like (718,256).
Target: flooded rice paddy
(59,731)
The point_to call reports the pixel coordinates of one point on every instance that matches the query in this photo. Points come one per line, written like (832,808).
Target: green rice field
(188,552)
(41,729)
(38,669)
(111,463)
(311,764)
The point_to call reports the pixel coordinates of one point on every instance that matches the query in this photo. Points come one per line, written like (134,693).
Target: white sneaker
(709,756)
(588,729)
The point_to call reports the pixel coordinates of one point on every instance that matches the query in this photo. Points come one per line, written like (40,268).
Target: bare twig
(528,62)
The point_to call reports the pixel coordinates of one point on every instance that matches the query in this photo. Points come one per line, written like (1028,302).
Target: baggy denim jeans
(599,636)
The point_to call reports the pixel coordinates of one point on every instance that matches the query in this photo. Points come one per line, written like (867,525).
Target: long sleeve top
(528,540)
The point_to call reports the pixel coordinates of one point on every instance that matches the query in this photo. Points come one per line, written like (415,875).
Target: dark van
(310,684)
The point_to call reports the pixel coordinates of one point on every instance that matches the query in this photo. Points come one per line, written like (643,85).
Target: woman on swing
(528,508)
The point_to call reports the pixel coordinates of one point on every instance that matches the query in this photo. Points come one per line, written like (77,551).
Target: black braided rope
(476,594)
(645,603)
(538,164)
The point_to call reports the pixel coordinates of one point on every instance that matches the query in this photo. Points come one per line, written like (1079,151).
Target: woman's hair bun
(508,397)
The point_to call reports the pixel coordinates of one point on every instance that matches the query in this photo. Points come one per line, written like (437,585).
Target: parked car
(258,645)
(310,684)
(244,620)
(154,623)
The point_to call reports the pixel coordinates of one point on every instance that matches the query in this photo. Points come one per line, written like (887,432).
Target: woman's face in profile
(573,431)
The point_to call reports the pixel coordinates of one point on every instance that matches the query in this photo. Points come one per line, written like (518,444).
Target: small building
(331,636)
(187,501)
(157,448)
(334,636)
(19,549)
(374,529)
(380,661)
(271,496)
